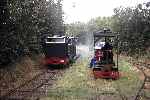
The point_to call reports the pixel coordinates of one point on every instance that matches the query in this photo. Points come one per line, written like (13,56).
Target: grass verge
(78,84)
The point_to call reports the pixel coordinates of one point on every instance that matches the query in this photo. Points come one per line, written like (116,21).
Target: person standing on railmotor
(107,51)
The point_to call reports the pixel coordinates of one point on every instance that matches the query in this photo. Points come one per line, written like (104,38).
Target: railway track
(36,87)
(140,94)
(144,68)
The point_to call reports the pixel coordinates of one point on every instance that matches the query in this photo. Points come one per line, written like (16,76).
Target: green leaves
(132,23)
(26,21)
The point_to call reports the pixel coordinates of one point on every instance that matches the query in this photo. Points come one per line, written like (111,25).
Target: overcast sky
(84,10)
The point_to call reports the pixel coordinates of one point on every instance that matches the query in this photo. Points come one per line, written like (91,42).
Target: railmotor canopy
(55,39)
(104,34)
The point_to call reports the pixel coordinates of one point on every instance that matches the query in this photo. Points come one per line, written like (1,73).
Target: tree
(133,26)
(25,22)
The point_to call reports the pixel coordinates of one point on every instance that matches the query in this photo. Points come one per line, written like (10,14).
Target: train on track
(103,64)
(59,50)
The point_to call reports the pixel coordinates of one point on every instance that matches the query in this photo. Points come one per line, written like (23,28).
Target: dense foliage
(23,22)
(133,24)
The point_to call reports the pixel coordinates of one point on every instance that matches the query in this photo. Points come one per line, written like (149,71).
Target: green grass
(129,81)
(73,83)
(78,83)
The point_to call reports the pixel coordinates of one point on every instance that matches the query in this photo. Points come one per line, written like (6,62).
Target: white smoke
(84,51)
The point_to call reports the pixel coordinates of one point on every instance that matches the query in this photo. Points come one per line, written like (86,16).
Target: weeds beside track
(35,87)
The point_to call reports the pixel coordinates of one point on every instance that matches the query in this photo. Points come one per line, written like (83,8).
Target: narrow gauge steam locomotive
(59,50)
